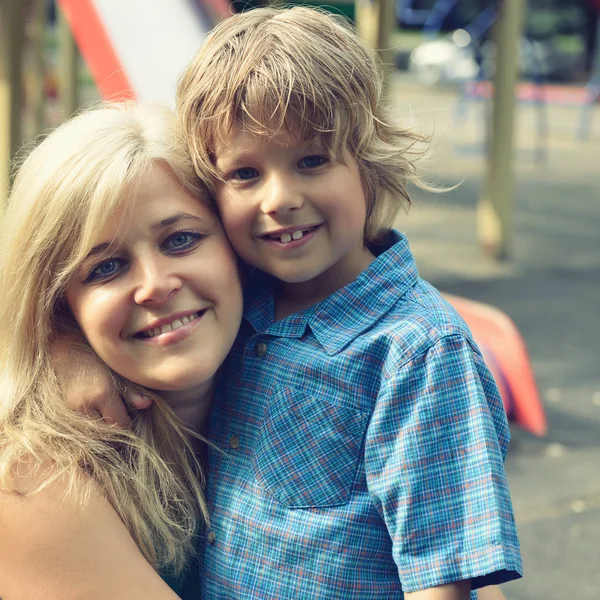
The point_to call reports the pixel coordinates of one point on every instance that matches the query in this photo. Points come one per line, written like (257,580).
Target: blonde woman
(108,232)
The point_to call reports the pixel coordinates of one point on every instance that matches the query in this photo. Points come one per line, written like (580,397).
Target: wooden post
(11,39)
(67,67)
(496,207)
(38,70)
(375,21)
(593,91)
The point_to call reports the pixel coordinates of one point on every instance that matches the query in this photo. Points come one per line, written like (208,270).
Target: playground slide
(506,355)
(138,49)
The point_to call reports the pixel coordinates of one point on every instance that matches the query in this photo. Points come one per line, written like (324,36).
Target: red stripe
(96,48)
(219,8)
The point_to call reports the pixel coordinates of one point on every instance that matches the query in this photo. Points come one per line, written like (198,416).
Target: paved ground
(551,288)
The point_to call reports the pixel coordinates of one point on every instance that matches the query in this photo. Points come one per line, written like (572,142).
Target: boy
(364,437)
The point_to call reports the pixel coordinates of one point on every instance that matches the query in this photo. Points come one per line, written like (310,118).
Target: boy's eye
(181,241)
(312,162)
(245,174)
(105,270)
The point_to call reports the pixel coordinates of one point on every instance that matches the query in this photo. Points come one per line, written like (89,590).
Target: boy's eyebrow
(172,220)
(223,159)
(230,156)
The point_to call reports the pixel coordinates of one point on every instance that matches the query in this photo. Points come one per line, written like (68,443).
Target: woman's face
(158,297)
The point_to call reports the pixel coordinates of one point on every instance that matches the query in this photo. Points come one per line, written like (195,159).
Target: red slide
(139,48)
(506,355)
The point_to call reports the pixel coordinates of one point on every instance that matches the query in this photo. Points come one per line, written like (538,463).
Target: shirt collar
(343,316)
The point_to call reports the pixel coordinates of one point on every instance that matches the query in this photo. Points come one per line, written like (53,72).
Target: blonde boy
(364,435)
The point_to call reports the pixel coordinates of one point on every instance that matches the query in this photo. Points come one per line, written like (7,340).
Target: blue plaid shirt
(360,449)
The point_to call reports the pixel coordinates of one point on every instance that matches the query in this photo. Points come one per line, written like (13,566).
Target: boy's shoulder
(419,320)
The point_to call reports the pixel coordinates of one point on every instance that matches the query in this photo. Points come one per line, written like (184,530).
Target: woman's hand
(88,385)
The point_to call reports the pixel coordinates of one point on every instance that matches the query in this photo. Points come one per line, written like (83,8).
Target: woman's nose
(280,195)
(157,282)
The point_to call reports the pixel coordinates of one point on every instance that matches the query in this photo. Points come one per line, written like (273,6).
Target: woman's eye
(245,174)
(312,162)
(105,270)
(181,241)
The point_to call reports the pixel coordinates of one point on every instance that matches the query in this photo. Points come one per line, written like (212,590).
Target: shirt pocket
(308,450)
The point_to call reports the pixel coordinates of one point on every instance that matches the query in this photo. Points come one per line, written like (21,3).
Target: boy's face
(292,211)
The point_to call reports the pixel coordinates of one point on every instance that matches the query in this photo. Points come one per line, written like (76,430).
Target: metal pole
(67,67)
(495,210)
(11,37)
(375,21)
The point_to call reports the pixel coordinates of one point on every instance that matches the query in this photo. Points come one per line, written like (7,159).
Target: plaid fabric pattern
(361,447)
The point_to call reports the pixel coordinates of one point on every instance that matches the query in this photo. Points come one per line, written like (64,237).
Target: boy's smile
(293,211)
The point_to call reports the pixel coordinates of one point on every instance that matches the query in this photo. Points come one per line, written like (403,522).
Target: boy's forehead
(242,141)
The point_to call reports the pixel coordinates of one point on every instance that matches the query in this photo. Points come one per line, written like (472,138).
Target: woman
(108,231)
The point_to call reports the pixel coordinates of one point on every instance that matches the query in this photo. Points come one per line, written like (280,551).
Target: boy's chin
(298,277)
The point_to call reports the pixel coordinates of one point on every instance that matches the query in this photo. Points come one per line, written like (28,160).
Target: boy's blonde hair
(64,192)
(303,72)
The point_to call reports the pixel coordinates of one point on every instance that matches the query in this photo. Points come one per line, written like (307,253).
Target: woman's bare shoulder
(65,540)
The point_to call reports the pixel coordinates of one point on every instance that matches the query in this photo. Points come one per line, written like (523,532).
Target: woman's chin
(188,389)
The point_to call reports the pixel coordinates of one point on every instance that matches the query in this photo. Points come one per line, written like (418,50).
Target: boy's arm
(492,592)
(460,590)
(456,591)
(434,455)
(87,383)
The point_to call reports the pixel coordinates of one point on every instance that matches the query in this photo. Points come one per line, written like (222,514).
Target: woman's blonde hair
(64,192)
(304,72)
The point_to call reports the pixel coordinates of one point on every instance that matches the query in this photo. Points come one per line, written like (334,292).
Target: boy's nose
(156,284)
(280,195)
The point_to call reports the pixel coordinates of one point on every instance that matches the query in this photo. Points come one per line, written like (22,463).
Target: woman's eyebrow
(172,220)
(99,249)
(177,218)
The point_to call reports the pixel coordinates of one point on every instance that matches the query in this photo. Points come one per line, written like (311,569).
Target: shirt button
(211,537)
(260,349)
(234,441)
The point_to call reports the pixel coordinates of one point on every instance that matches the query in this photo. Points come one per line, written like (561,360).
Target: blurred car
(458,58)
(444,61)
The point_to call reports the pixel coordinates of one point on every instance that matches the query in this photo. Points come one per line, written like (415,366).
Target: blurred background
(509,92)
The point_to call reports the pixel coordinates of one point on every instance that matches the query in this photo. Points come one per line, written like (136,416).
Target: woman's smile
(168,324)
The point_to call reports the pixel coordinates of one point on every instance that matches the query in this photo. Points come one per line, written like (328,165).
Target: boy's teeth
(288,237)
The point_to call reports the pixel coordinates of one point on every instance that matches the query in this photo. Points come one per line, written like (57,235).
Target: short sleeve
(434,457)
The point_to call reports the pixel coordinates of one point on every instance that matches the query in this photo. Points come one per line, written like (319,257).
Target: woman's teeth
(176,324)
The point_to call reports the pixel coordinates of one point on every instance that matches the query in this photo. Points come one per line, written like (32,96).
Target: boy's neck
(291,298)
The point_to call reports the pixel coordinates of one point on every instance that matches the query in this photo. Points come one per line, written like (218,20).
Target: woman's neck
(192,406)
